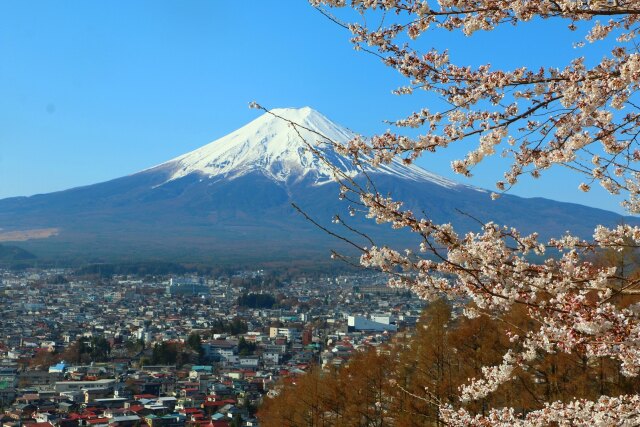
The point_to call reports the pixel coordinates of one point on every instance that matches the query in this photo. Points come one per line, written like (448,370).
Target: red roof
(98,421)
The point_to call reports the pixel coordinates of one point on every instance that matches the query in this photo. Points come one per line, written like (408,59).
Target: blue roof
(59,367)
(199,368)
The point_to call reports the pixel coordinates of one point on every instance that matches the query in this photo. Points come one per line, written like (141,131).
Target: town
(175,351)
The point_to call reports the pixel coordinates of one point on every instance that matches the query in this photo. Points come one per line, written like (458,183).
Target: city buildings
(174,351)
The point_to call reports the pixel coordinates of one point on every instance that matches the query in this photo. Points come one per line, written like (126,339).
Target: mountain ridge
(231,199)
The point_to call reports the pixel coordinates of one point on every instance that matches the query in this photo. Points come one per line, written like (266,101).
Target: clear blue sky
(91,91)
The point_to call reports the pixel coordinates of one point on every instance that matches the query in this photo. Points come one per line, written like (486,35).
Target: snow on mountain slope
(272,146)
(243,214)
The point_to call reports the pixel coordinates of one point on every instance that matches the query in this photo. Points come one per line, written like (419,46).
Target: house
(64,386)
(249,361)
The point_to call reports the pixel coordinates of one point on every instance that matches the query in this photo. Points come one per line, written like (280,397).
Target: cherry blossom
(583,117)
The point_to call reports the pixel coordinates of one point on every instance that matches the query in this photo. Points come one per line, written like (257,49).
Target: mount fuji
(230,201)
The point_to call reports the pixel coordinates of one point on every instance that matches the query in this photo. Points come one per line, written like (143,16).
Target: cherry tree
(583,116)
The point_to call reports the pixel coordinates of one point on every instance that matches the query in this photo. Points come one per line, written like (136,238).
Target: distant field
(24,235)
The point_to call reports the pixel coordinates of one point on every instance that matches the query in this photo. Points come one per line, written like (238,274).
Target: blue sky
(91,91)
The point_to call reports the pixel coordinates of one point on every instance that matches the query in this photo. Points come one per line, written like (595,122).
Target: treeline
(272,277)
(252,300)
(83,351)
(233,327)
(139,269)
(280,300)
(402,385)
(176,353)
(245,348)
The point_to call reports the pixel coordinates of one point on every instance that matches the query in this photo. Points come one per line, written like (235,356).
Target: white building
(359,323)
(289,333)
(64,386)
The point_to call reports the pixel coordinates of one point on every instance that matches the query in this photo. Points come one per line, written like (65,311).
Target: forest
(409,382)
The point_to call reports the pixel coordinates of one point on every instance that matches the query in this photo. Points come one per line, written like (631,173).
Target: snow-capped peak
(271,145)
